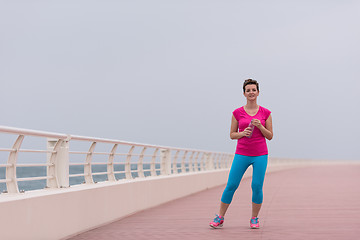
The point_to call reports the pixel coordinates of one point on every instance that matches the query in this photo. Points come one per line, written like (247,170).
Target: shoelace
(217,219)
(254,220)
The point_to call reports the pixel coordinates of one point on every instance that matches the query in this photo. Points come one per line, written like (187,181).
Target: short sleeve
(236,114)
(267,113)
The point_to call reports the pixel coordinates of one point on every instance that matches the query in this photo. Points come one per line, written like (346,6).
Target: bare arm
(234,134)
(267,131)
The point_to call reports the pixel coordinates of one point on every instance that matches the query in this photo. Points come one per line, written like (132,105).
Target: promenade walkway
(316,202)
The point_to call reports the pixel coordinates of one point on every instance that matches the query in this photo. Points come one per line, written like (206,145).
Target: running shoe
(217,222)
(254,223)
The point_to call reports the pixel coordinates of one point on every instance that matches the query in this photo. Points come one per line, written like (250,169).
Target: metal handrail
(35,133)
(159,160)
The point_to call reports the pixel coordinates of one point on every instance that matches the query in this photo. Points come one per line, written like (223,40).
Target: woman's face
(251,92)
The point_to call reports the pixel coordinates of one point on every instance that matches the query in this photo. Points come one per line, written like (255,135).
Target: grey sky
(170,72)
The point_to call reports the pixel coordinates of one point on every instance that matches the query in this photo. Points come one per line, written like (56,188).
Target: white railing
(88,159)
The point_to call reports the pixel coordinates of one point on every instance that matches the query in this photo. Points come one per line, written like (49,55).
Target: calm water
(41,171)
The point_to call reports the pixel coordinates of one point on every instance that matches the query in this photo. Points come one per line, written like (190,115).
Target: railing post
(87,167)
(165,156)
(11,185)
(110,166)
(203,162)
(191,162)
(59,161)
(141,164)
(209,163)
(128,174)
(183,167)
(175,163)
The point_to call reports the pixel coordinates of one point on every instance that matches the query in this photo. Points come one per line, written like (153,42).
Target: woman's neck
(251,105)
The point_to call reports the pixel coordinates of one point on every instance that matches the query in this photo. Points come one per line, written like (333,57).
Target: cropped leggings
(238,168)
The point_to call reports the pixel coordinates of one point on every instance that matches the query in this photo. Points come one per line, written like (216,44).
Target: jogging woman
(250,125)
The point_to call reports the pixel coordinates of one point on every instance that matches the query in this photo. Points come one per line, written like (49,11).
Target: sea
(38,171)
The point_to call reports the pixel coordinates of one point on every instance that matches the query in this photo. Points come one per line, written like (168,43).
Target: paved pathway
(318,202)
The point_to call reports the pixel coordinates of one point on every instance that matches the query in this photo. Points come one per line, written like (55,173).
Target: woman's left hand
(256,123)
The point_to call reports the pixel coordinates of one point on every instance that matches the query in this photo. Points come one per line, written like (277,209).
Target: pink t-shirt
(256,145)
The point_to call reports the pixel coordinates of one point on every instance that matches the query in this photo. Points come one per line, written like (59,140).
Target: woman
(250,125)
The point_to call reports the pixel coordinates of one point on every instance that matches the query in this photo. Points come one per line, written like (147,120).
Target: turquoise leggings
(238,168)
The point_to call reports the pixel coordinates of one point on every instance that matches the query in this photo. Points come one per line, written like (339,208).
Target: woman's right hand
(247,131)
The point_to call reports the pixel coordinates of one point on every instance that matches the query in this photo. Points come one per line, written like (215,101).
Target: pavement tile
(315,202)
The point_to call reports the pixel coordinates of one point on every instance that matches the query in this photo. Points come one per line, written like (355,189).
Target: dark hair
(249,82)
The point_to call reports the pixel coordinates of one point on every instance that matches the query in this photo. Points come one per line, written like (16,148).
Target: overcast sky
(171,72)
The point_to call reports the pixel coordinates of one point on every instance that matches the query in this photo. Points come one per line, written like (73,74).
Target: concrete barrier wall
(58,214)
